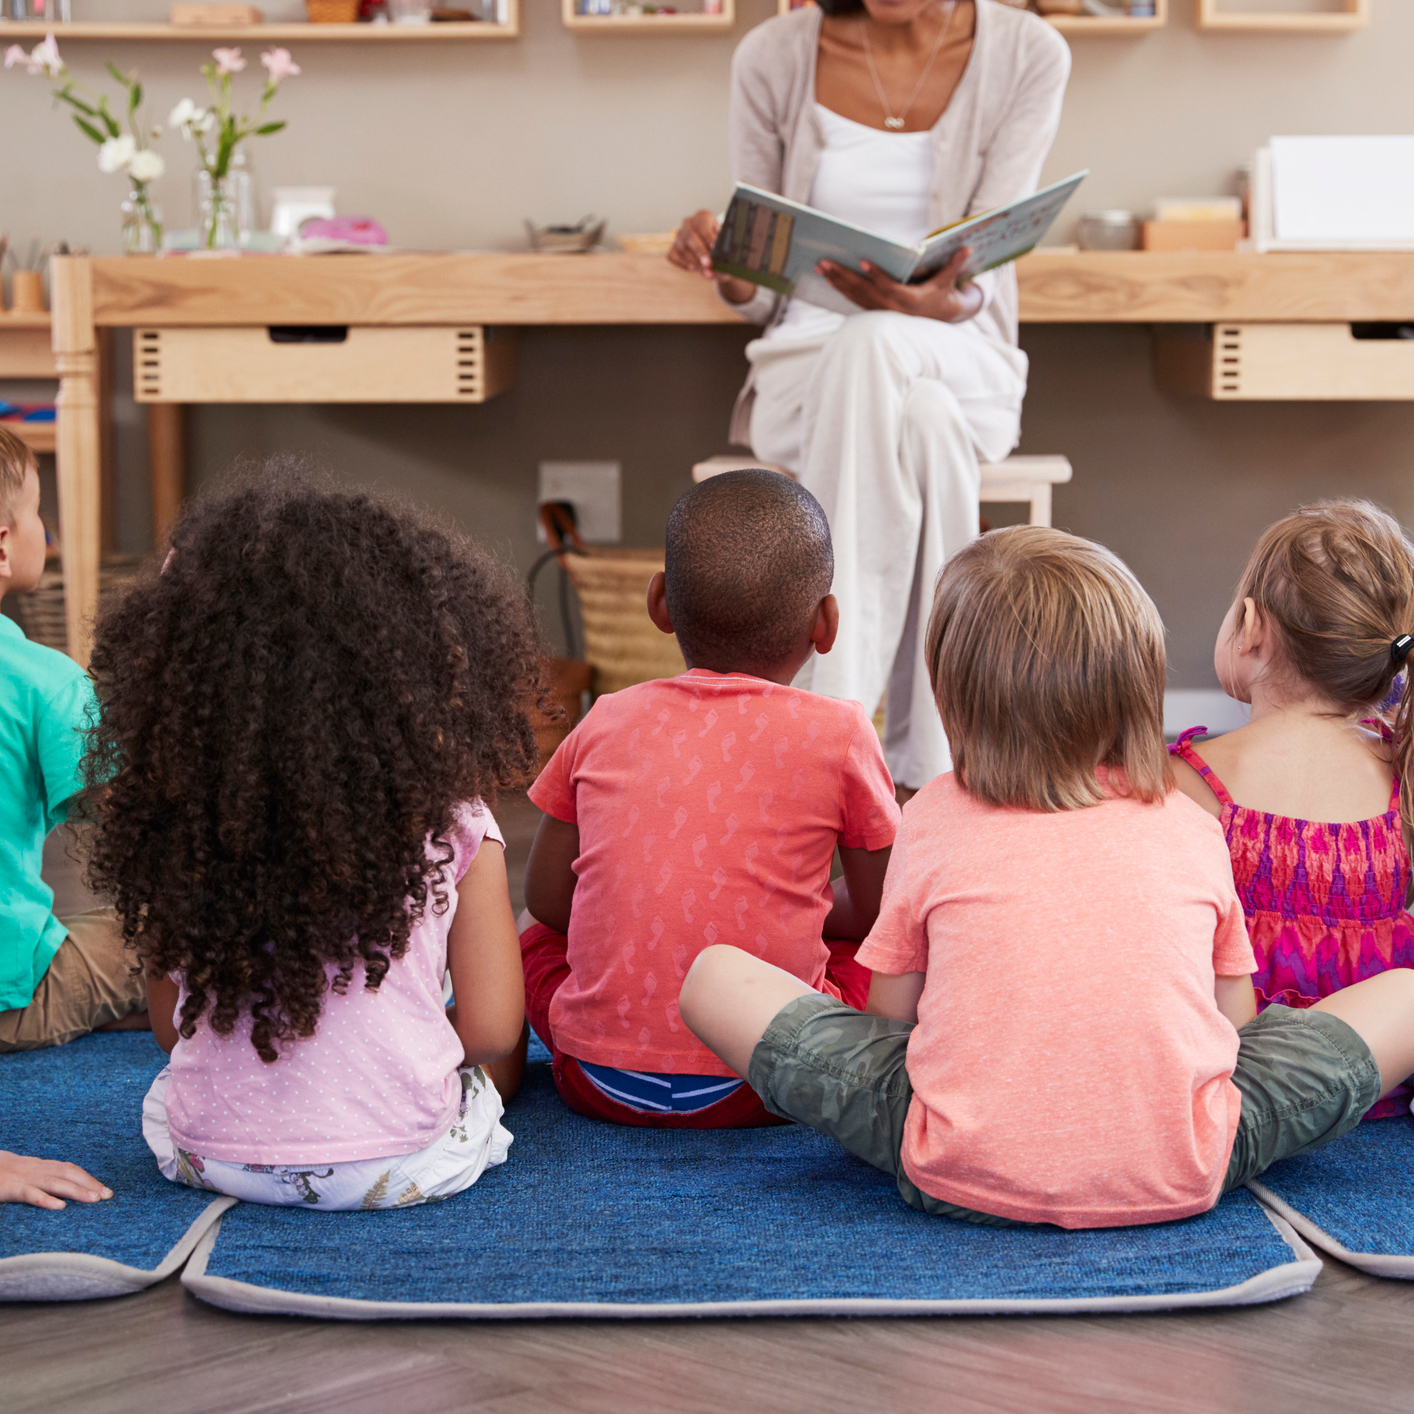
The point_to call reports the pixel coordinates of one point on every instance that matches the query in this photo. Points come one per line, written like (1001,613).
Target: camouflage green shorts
(1305,1078)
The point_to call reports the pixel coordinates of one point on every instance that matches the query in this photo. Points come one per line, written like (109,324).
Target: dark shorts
(1305,1078)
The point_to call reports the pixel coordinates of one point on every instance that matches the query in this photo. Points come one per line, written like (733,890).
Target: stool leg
(1041,503)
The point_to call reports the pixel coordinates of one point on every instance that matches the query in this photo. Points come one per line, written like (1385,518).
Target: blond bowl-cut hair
(1047,663)
(16,458)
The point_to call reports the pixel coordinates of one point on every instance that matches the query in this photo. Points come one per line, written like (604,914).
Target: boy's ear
(6,569)
(827,624)
(658,603)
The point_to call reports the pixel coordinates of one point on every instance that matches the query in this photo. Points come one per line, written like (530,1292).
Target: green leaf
(134,97)
(117,74)
(88,130)
(268,128)
(108,120)
(75,103)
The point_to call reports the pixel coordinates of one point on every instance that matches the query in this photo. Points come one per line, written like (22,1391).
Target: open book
(776,243)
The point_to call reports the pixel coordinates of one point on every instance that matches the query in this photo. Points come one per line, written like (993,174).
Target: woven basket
(620,640)
(331,12)
(41,614)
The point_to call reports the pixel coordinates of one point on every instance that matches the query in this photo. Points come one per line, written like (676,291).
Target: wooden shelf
(1353,14)
(10,319)
(259,34)
(682,22)
(1097,25)
(37,436)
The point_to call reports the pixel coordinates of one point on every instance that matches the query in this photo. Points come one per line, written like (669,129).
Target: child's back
(1308,793)
(705,808)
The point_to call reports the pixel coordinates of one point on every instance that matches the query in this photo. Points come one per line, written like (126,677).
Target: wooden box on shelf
(202,15)
(1117,24)
(680,21)
(1345,16)
(1193,235)
(324,364)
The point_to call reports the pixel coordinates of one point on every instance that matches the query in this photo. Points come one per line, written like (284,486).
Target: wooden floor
(1345,1348)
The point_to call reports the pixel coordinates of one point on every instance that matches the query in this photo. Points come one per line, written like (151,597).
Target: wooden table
(446,291)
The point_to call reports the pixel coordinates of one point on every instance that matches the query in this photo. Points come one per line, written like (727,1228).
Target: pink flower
(44,60)
(15,55)
(228,61)
(280,65)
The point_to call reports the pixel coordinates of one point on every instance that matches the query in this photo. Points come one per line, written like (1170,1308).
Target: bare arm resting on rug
(45,1183)
(549,874)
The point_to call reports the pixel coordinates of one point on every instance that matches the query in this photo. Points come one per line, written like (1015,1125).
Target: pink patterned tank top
(1324,903)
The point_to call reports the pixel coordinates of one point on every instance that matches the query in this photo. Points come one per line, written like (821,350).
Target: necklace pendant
(894,123)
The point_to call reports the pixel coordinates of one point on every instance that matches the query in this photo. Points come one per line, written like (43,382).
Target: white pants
(454,1161)
(884,421)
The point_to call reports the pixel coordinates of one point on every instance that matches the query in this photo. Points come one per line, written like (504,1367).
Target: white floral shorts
(475,1142)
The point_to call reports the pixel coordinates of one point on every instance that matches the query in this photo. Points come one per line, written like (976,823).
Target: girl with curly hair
(304,713)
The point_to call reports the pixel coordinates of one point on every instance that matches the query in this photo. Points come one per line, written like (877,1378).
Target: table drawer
(1233,362)
(322,364)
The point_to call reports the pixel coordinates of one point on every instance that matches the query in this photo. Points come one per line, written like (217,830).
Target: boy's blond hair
(1047,661)
(16,458)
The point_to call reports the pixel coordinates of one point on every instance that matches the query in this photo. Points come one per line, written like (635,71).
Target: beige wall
(452,146)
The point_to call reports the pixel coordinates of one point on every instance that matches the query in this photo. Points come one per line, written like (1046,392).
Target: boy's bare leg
(1381,1010)
(729,998)
(133,1021)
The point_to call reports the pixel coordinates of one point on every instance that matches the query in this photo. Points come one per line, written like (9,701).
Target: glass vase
(142,223)
(240,188)
(220,227)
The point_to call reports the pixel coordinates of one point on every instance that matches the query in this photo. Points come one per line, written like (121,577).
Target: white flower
(182,114)
(280,65)
(146,165)
(45,58)
(228,61)
(116,153)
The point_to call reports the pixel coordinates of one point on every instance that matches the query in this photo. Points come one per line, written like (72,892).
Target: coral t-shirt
(377,1079)
(709,806)
(1070,1064)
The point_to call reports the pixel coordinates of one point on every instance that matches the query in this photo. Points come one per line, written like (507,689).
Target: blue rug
(1354,1198)
(83,1103)
(589,1219)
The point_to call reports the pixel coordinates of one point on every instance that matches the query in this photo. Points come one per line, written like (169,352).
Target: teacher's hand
(938,297)
(692,250)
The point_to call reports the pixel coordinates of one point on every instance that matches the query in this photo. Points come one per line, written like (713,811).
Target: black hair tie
(1399,649)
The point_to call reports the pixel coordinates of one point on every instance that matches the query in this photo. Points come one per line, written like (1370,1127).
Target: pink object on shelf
(361,230)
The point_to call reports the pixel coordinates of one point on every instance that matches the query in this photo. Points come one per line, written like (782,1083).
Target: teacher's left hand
(938,297)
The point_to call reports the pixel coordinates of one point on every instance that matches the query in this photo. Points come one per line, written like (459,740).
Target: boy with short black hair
(705,807)
(59,978)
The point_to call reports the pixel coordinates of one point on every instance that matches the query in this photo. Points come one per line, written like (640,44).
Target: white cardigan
(988,146)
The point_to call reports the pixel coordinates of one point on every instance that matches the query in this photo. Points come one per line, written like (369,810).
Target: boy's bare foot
(133,1021)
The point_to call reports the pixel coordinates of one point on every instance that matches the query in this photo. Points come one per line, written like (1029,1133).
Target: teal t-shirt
(45,706)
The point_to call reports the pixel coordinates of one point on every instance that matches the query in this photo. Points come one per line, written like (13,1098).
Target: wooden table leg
(77,446)
(169,472)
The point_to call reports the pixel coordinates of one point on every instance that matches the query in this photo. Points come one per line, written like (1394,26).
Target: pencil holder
(27,292)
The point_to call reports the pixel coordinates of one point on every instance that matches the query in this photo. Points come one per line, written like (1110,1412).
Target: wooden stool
(1026,480)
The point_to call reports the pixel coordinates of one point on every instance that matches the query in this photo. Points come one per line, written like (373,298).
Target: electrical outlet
(593,489)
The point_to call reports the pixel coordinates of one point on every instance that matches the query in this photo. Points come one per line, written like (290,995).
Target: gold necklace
(891,122)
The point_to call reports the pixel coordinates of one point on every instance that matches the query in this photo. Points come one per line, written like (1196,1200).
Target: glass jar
(142,223)
(218,215)
(241,186)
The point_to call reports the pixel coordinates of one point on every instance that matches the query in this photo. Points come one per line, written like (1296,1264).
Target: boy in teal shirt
(59,978)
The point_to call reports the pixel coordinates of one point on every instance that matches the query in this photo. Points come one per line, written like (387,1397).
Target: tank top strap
(1386,735)
(1183,748)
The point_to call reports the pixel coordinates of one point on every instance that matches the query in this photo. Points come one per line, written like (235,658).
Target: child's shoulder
(37,674)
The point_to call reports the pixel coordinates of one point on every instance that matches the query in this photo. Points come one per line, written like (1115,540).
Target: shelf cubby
(1351,15)
(1131,25)
(298,33)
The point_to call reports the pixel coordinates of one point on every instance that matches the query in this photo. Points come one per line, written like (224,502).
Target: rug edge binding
(1377,1264)
(79,1276)
(1274,1284)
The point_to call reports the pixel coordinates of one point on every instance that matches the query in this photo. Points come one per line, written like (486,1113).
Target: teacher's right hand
(692,250)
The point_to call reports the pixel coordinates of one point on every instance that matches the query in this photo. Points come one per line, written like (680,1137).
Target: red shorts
(546,969)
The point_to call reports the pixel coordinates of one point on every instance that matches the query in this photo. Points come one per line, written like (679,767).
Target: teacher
(900,116)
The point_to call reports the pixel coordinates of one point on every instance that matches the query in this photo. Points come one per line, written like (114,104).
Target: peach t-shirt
(709,806)
(1070,1064)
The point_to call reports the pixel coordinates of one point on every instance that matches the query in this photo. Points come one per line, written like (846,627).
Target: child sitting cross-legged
(60,978)
(303,713)
(1314,795)
(1061,1022)
(705,808)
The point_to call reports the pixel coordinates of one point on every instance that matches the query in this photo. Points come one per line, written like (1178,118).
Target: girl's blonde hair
(1047,661)
(1336,580)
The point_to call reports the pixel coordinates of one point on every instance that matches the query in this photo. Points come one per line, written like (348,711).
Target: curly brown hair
(292,706)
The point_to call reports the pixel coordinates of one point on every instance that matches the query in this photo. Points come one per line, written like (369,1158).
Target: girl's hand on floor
(938,297)
(45,1183)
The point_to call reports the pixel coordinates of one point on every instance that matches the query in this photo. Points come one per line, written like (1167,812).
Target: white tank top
(872,178)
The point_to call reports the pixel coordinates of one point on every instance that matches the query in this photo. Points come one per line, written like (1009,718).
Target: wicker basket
(332,12)
(620,640)
(41,614)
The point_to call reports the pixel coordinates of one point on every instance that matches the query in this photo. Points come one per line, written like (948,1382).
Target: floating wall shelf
(259,34)
(1352,14)
(681,22)
(1080,24)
